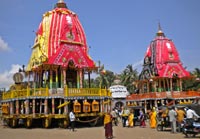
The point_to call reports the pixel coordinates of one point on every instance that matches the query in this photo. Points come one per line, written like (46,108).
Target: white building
(119,94)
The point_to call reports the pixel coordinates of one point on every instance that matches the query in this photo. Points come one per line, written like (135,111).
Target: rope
(81,121)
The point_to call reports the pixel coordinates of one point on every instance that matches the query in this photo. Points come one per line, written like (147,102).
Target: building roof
(119,91)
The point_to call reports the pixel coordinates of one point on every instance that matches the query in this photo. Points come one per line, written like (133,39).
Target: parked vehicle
(163,118)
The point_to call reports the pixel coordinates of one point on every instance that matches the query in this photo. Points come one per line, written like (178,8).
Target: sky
(117,32)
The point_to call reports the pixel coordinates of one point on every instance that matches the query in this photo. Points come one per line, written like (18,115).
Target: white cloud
(3,45)
(6,78)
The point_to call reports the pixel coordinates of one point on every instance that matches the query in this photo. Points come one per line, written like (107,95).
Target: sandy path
(86,133)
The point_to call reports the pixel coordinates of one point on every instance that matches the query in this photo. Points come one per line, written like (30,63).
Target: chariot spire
(61,4)
(160,32)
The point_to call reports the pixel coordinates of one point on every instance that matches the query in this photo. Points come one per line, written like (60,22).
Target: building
(161,79)
(119,94)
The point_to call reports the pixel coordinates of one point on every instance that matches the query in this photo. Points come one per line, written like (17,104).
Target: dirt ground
(87,133)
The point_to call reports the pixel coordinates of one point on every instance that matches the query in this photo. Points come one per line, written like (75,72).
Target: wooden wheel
(28,123)
(46,122)
(13,122)
(65,123)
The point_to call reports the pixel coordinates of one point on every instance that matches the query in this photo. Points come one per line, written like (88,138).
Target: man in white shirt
(72,119)
(190,114)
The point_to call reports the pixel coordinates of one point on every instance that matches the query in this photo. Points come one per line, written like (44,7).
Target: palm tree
(110,77)
(196,73)
(105,78)
(128,76)
(193,83)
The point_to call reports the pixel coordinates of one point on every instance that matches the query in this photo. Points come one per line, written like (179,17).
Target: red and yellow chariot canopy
(60,39)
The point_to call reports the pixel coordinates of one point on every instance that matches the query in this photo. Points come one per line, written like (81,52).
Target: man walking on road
(172,118)
(72,119)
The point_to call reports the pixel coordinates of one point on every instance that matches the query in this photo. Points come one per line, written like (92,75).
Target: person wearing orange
(153,120)
(108,125)
(131,119)
(180,116)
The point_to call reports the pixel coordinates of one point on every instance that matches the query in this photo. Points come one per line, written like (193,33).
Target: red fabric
(171,69)
(67,39)
(73,53)
(148,52)
(62,26)
(166,60)
(108,130)
(40,30)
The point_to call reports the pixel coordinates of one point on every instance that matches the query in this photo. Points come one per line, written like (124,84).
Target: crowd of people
(124,115)
(128,117)
(177,115)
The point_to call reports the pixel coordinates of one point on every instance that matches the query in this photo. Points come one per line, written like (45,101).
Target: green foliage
(194,83)
(128,76)
(106,79)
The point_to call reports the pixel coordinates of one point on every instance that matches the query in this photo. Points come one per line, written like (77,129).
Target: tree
(105,79)
(193,83)
(93,83)
(128,76)
(196,74)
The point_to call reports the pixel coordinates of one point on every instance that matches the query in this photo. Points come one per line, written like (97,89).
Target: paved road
(86,133)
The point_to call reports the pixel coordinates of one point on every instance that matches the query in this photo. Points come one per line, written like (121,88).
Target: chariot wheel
(28,123)
(13,122)
(46,122)
(65,123)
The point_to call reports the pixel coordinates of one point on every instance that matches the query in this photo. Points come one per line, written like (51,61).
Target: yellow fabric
(130,120)
(107,119)
(180,115)
(46,31)
(35,57)
(153,119)
(40,47)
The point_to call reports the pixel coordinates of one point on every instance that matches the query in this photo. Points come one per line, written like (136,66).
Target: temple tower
(60,52)
(162,68)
